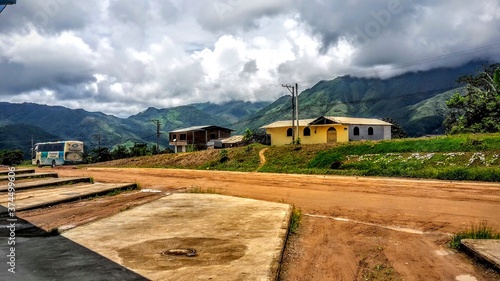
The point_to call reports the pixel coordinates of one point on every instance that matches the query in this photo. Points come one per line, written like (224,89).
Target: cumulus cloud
(122,56)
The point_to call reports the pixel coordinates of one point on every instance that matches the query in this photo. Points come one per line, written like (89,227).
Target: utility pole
(297,108)
(292,90)
(97,137)
(158,123)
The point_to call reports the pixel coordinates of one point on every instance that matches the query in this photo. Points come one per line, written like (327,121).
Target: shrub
(295,220)
(479,231)
(11,157)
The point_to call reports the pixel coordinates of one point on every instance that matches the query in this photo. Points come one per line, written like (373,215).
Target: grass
(295,220)
(462,143)
(115,192)
(241,159)
(458,157)
(463,157)
(476,231)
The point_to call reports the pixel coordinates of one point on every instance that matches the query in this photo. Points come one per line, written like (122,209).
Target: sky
(122,56)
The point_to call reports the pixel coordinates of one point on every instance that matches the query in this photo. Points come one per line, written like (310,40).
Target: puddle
(66,227)
(442,252)
(396,228)
(466,278)
(151,190)
(178,252)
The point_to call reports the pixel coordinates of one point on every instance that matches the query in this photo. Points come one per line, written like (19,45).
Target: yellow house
(329,129)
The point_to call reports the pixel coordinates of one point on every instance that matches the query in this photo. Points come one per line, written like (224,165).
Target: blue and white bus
(57,153)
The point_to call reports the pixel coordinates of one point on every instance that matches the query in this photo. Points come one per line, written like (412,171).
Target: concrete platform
(234,239)
(30,199)
(486,249)
(30,176)
(45,183)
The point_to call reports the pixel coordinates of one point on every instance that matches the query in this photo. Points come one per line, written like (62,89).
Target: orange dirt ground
(352,228)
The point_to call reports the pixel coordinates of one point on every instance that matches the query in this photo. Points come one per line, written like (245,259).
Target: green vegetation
(103,154)
(243,159)
(11,157)
(455,157)
(295,219)
(478,111)
(18,137)
(462,157)
(479,231)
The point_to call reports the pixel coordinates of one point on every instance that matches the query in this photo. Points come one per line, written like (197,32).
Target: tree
(248,136)
(140,149)
(397,132)
(478,111)
(120,152)
(11,157)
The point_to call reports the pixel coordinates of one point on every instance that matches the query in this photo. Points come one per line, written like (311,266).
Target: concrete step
(486,250)
(47,182)
(36,198)
(17,171)
(30,176)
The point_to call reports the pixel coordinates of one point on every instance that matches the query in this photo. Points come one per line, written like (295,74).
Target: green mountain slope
(416,101)
(75,124)
(176,118)
(19,136)
(232,111)
(398,98)
(427,117)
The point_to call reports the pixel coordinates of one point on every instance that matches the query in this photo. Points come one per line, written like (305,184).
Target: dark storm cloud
(228,15)
(394,31)
(250,67)
(126,55)
(48,15)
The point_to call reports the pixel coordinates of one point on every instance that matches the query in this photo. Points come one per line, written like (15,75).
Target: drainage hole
(180,252)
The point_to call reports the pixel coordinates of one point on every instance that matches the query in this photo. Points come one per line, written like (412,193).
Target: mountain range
(415,100)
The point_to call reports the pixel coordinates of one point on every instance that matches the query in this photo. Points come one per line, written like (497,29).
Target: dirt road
(352,229)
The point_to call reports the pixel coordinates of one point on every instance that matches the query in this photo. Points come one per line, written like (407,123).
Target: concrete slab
(31,199)
(18,171)
(45,183)
(485,249)
(30,176)
(234,238)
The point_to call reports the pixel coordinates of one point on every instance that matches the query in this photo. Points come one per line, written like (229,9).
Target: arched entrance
(331,135)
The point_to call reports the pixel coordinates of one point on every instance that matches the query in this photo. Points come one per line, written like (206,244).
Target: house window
(356,131)
(370,131)
(289,132)
(307,132)
(213,136)
(183,137)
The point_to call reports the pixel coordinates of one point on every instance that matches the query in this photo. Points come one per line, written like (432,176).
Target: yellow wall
(318,134)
